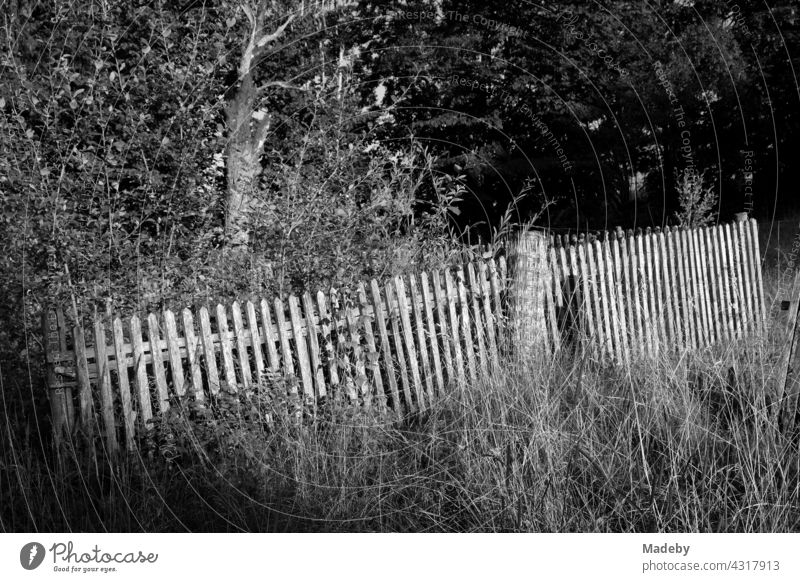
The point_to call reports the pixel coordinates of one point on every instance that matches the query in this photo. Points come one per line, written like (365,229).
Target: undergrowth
(684,442)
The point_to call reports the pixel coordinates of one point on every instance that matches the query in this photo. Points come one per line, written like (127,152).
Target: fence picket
(443,337)
(354,336)
(700,260)
(465,325)
(372,349)
(703,236)
(347,369)
(82,373)
(326,319)
(157,354)
(632,333)
(654,342)
(621,299)
(173,347)
(104,385)
(393,309)
(301,348)
(270,337)
(721,284)
(686,284)
(491,322)
(736,269)
(285,346)
(313,347)
(658,289)
(193,355)
(497,304)
(128,415)
(419,324)
(428,301)
(673,287)
(209,354)
(241,348)
(226,348)
(600,306)
(474,294)
(408,336)
(255,341)
(385,353)
(455,340)
(587,297)
(748,273)
(609,294)
(140,372)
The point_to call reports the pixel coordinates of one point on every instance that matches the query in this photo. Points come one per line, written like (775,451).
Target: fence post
(56,391)
(528,268)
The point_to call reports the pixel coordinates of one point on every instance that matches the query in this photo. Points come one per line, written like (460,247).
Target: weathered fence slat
(301,349)
(313,347)
(84,385)
(477,319)
(255,340)
(193,355)
(373,356)
(227,348)
(430,330)
(393,309)
(465,326)
(241,348)
(142,383)
(128,416)
(491,322)
(157,354)
(384,351)
(343,360)
(104,386)
(419,324)
(443,335)
(286,348)
(174,350)
(209,354)
(455,341)
(270,337)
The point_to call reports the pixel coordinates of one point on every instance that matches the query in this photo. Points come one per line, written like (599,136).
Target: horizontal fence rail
(397,346)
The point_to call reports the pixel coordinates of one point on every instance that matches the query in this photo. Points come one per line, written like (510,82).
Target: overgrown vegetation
(680,443)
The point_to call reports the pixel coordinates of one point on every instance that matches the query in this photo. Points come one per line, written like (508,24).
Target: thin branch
(282,85)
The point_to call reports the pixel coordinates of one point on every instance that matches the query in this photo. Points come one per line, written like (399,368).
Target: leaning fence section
(623,294)
(397,346)
(394,346)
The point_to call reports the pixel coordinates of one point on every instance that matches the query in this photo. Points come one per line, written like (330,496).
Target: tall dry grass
(683,442)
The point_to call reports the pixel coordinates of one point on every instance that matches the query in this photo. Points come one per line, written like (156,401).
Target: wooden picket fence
(398,346)
(394,347)
(626,294)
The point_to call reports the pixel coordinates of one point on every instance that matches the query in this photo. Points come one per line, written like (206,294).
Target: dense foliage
(173,152)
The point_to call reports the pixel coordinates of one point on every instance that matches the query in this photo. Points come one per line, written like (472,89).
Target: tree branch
(282,85)
(273,36)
